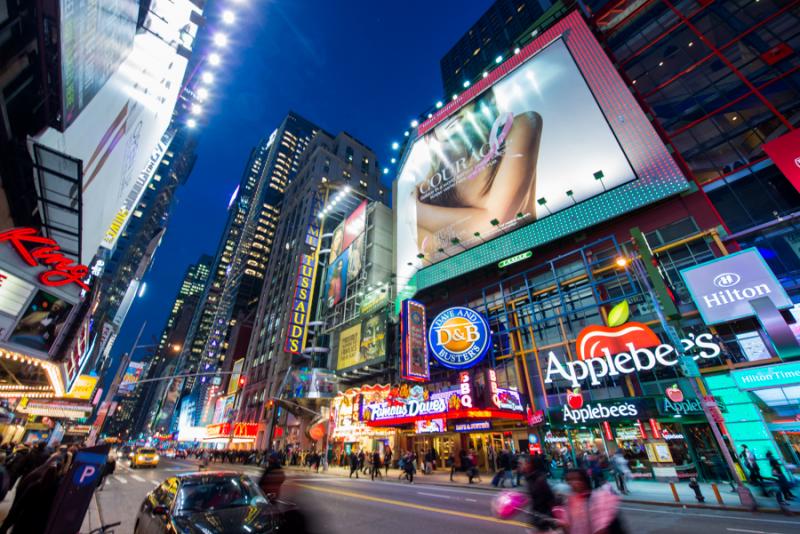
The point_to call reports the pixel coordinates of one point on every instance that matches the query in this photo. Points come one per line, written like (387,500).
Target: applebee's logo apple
(574,398)
(599,341)
(674,393)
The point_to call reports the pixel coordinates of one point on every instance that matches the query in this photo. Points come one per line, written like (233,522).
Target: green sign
(374,300)
(514,259)
(768,377)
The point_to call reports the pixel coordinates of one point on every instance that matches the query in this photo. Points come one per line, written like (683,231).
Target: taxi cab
(144,457)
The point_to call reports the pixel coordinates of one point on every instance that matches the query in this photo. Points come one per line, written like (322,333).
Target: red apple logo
(674,393)
(575,399)
(593,340)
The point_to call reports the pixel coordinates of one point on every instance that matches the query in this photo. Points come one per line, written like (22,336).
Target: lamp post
(745,495)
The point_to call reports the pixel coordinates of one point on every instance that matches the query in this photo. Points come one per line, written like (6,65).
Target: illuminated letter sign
(301,305)
(459,337)
(46,253)
(414,364)
(723,288)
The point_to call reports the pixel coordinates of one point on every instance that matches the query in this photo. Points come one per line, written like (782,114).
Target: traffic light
(241,382)
(270,404)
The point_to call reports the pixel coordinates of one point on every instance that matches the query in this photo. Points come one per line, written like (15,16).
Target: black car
(219,502)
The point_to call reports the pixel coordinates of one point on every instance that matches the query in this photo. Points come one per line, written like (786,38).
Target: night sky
(367,67)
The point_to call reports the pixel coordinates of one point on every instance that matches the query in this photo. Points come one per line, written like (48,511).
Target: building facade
(334,175)
(545,276)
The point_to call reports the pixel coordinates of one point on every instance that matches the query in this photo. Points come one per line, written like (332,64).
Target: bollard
(674,492)
(716,493)
(696,487)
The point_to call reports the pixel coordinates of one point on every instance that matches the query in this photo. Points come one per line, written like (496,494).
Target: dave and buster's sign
(459,337)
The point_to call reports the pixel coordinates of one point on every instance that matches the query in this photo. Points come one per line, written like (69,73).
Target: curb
(696,506)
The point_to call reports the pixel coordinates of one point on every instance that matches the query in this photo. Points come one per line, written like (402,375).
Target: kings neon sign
(39,251)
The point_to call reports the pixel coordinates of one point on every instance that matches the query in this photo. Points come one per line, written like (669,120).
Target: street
(338,505)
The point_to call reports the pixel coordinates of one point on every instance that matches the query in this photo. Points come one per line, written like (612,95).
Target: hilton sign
(723,289)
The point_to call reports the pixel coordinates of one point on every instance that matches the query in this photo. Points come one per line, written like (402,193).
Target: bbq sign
(459,337)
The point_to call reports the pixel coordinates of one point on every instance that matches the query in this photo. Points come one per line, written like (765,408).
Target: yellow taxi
(144,457)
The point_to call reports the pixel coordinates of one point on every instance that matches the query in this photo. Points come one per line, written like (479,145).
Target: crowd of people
(36,471)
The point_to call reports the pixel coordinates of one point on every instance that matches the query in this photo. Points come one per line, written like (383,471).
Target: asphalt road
(343,506)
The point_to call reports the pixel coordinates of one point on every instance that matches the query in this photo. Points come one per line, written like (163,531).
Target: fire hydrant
(696,488)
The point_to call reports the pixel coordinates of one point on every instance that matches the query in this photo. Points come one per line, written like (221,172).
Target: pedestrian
(471,466)
(784,487)
(541,495)
(387,459)
(353,464)
(5,478)
(273,477)
(451,463)
(428,465)
(590,512)
(409,467)
(622,473)
(376,465)
(362,461)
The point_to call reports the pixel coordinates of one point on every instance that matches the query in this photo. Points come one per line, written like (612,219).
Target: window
(349,154)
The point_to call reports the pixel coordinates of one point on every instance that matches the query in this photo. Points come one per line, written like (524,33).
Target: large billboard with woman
(553,130)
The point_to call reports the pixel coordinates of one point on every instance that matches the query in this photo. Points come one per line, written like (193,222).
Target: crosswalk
(117,479)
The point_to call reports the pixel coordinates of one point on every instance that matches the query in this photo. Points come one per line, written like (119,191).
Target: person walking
(409,467)
(587,511)
(376,465)
(353,464)
(451,463)
(784,487)
(273,477)
(541,495)
(622,473)
(362,461)
(387,459)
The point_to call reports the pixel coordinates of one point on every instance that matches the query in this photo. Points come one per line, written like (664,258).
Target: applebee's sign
(599,412)
(623,348)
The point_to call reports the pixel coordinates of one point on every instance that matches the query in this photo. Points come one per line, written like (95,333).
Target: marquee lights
(50,369)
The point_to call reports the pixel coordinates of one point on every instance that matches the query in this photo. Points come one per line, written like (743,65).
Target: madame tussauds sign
(621,349)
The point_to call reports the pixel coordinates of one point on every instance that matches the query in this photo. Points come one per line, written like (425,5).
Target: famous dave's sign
(459,337)
(42,252)
(623,348)
(723,288)
(301,304)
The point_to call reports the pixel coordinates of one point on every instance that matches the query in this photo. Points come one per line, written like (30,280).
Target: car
(144,457)
(213,501)
(169,453)
(125,452)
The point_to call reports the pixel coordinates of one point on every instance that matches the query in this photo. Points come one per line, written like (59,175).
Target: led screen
(550,142)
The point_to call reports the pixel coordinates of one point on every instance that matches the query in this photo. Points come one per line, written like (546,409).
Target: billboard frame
(658,175)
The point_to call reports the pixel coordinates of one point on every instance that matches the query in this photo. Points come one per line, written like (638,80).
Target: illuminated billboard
(549,143)
(347,253)
(115,137)
(95,39)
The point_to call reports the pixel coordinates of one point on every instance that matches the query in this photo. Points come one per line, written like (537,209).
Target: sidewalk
(641,492)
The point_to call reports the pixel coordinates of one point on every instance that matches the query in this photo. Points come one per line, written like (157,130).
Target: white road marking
(470,500)
(434,495)
(155,482)
(120,479)
(736,518)
(750,531)
(137,477)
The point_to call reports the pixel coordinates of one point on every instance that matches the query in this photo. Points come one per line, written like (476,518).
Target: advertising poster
(336,241)
(355,224)
(131,377)
(355,259)
(41,322)
(414,362)
(83,388)
(349,347)
(506,159)
(373,339)
(336,280)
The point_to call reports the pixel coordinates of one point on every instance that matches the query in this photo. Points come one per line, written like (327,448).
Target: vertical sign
(414,363)
(785,152)
(301,305)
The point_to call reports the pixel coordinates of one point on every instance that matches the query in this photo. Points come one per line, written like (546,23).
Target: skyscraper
(172,339)
(492,36)
(238,272)
(340,168)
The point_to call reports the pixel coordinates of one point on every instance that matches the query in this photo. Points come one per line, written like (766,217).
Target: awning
(56,409)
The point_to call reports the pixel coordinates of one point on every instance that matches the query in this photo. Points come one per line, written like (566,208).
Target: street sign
(75,492)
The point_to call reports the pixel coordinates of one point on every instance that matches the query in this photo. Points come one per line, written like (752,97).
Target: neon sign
(504,399)
(459,337)
(301,305)
(61,270)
